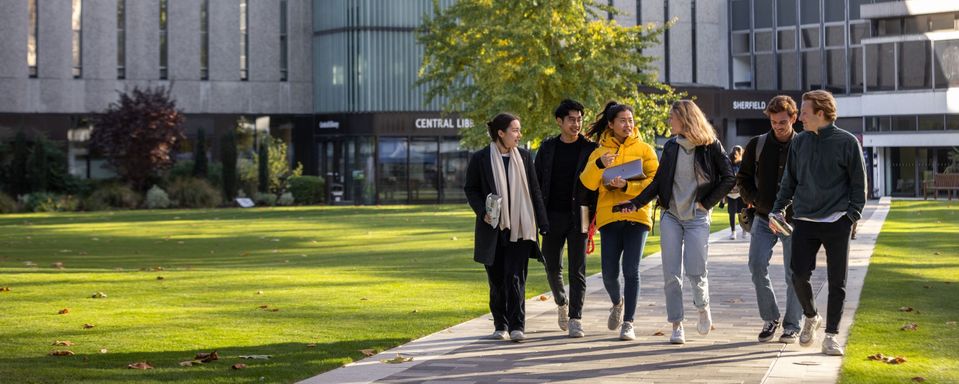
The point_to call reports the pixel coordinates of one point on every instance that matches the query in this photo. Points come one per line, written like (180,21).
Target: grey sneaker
(615,316)
(830,345)
(627,332)
(705,321)
(499,335)
(576,328)
(789,336)
(517,336)
(809,330)
(678,336)
(562,316)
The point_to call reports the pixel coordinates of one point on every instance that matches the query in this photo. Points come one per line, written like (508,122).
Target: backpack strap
(759,151)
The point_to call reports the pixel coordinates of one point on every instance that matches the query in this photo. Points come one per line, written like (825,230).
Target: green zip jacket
(825,173)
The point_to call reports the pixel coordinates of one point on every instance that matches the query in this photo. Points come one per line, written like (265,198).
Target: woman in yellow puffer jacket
(623,234)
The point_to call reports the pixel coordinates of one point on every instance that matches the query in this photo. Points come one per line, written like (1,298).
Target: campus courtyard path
(729,354)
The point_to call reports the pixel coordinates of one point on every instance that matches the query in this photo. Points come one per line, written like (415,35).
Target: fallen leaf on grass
(140,365)
(368,352)
(207,357)
(65,343)
(264,306)
(363,299)
(160,277)
(659,333)
(190,363)
(99,295)
(57,265)
(103,350)
(63,311)
(311,345)
(256,357)
(4,289)
(259,292)
(399,359)
(88,326)
(62,353)
(905,309)
(238,366)
(909,327)
(877,356)
(415,311)
(887,359)
(274,309)
(918,379)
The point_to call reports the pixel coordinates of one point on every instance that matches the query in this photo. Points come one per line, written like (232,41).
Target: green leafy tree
(262,160)
(489,56)
(200,166)
(279,171)
(228,159)
(37,165)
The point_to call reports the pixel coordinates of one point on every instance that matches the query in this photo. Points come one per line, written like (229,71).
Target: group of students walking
(815,179)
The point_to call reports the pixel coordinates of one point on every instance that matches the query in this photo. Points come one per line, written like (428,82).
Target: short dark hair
(500,122)
(565,106)
(781,103)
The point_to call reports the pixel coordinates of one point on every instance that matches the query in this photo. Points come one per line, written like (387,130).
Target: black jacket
(711,163)
(544,173)
(479,184)
(758,186)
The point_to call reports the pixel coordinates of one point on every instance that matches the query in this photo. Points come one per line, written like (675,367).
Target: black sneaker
(789,336)
(769,329)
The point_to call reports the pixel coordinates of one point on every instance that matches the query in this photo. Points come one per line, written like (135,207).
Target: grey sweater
(825,173)
(685,182)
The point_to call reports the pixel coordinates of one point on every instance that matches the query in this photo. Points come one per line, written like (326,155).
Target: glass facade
(121,39)
(77,26)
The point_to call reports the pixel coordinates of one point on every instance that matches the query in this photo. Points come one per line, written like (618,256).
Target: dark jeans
(564,229)
(623,241)
(507,285)
(733,206)
(807,237)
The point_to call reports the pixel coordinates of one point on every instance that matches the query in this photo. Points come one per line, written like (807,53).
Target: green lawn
(915,264)
(341,279)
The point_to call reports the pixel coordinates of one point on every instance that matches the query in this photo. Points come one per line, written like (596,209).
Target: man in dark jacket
(764,161)
(558,163)
(825,182)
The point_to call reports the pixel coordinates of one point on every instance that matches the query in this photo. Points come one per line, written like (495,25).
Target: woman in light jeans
(694,175)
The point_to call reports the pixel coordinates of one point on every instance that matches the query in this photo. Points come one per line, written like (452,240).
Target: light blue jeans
(685,246)
(761,243)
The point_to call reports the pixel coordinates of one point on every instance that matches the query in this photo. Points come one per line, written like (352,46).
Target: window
(810,37)
(809,11)
(765,71)
(857,32)
(942,22)
(392,172)
(244,41)
(915,24)
(946,62)
(32,39)
(740,15)
(952,122)
(789,71)
(121,39)
(764,41)
(454,161)
(786,12)
(740,43)
(762,13)
(889,27)
(812,70)
(881,75)
(786,40)
(424,169)
(854,8)
(835,71)
(205,39)
(835,36)
(77,24)
(284,49)
(855,70)
(904,123)
(931,123)
(163,39)
(914,69)
(835,10)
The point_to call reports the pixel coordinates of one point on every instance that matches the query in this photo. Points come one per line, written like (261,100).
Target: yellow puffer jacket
(592,178)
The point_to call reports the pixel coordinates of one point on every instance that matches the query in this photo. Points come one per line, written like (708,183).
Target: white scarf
(522,221)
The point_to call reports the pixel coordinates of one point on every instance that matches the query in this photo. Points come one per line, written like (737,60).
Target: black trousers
(565,230)
(807,237)
(733,206)
(507,285)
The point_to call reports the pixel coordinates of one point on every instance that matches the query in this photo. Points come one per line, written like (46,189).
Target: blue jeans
(626,239)
(761,245)
(685,245)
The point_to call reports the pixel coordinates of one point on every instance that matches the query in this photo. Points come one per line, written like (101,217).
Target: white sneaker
(562,314)
(517,336)
(627,332)
(615,316)
(732,236)
(576,328)
(830,346)
(705,323)
(744,235)
(808,332)
(499,335)
(679,336)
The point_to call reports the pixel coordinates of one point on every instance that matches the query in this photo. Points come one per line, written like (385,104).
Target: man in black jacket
(764,161)
(825,182)
(558,164)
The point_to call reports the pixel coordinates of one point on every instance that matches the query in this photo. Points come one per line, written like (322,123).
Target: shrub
(7,203)
(285,199)
(264,198)
(183,169)
(194,193)
(246,172)
(110,196)
(157,198)
(307,189)
(199,155)
(49,202)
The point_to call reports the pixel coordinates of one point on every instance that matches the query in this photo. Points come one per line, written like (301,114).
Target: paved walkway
(729,354)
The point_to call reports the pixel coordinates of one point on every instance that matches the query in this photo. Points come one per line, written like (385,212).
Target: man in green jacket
(825,183)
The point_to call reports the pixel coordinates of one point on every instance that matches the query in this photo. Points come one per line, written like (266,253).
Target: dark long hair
(499,122)
(603,119)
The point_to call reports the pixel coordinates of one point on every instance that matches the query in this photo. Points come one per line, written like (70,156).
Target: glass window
(881,75)
(766,71)
(244,40)
(392,178)
(835,71)
(205,40)
(889,27)
(872,124)
(424,170)
(284,49)
(885,124)
(851,124)
(854,8)
(763,13)
(855,70)
(32,39)
(952,122)
(835,36)
(942,22)
(946,62)
(77,23)
(857,32)
(787,40)
(740,43)
(835,10)
(914,69)
(931,123)
(789,71)
(904,123)
(740,15)
(915,24)
(764,41)
(121,39)
(454,160)
(812,70)
(810,37)
(809,11)
(786,11)
(163,39)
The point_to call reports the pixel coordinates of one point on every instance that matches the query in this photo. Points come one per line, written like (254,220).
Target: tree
(279,171)
(37,174)
(263,163)
(228,159)
(18,166)
(489,56)
(138,133)
(199,156)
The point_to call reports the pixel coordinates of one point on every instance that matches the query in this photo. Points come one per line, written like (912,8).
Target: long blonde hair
(695,127)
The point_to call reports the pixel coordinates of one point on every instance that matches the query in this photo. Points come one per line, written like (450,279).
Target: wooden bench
(948,182)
